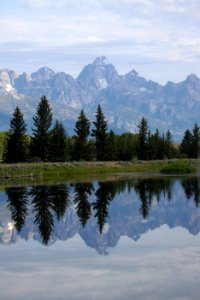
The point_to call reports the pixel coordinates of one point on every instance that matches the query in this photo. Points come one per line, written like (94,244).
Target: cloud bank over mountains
(159,38)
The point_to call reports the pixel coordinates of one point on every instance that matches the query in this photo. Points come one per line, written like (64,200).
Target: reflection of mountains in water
(100,212)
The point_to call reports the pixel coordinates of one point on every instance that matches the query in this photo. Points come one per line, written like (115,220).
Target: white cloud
(163,264)
(165,30)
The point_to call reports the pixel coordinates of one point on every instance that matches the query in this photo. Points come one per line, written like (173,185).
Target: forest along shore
(51,170)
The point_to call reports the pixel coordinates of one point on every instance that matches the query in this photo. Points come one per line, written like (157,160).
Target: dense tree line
(190,143)
(91,140)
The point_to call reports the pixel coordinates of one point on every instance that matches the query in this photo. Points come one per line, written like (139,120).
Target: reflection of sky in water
(163,264)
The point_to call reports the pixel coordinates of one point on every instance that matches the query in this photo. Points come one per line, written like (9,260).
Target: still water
(125,238)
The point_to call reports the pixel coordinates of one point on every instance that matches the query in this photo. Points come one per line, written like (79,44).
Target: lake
(121,237)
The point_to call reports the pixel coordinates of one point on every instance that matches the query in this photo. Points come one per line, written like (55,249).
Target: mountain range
(124,98)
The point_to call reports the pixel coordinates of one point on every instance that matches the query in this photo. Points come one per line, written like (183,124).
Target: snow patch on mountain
(103,83)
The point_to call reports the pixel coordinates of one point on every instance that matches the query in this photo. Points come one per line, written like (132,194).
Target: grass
(55,173)
(70,169)
(179,168)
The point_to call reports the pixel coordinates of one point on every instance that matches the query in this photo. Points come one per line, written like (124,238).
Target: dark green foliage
(142,149)
(191,142)
(81,148)
(160,147)
(169,149)
(111,146)
(41,135)
(195,141)
(58,143)
(55,146)
(155,145)
(186,144)
(2,143)
(100,135)
(178,168)
(126,146)
(16,142)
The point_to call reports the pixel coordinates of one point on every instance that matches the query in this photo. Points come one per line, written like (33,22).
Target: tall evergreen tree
(142,149)
(16,142)
(100,134)
(111,146)
(186,144)
(168,145)
(58,143)
(81,145)
(195,141)
(41,135)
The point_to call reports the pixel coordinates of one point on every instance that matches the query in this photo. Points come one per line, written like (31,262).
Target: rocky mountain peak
(192,78)
(43,73)
(101,60)
(22,82)
(132,74)
(97,75)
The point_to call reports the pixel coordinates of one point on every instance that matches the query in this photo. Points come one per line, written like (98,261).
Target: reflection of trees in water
(42,207)
(83,206)
(104,195)
(191,187)
(60,199)
(45,201)
(147,189)
(18,205)
(50,202)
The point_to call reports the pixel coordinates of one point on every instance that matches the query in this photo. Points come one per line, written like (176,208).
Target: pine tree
(41,135)
(81,149)
(186,144)
(16,141)
(195,141)
(111,146)
(58,143)
(100,134)
(168,145)
(142,149)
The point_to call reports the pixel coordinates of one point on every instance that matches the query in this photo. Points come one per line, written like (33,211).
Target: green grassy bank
(56,170)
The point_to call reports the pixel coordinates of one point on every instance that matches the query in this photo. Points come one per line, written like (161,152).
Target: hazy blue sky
(158,38)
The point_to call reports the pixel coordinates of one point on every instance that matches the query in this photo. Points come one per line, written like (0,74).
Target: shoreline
(77,168)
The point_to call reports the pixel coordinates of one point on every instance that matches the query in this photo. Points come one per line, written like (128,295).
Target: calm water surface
(128,238)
